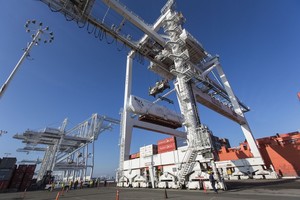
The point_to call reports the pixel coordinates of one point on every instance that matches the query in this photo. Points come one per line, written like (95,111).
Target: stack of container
(148,150)
(135,155)
(7,168)
(27,179)
(166,145)
(17,178)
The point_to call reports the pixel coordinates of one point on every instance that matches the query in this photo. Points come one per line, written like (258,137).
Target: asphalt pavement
(246,190)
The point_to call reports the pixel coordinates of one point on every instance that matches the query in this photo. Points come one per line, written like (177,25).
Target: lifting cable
(98,33)
(69,19)
(58,10)
(82,25)
(108,42)
(88,28)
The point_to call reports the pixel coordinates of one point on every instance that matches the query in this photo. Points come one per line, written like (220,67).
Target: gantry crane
(175,56)
(69,153)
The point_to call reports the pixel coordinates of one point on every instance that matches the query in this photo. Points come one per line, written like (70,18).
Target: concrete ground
(249,189)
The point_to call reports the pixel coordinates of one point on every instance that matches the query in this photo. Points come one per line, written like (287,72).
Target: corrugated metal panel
(26,181)
(135,155)
(30,168)
(8,163)
(6,174)
(22,168)
(3,185)
(166,147)
(166,141)
(18,175)
(148,150)
(15,184)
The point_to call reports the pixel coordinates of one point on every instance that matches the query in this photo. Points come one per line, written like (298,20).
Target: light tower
(37,38)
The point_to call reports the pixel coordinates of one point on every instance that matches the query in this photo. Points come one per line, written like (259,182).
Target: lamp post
(42,34)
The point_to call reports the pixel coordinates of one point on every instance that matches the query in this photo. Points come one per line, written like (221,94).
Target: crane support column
(198,136)
(245,127)
(126,126)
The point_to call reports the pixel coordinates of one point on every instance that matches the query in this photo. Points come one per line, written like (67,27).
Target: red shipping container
(30,168)
(135,155)
(25,185)
(22,168)
(18,175)
(17,179)
(3,185)
(27,176)
(166,148)
(26,181)
(15,185)
(166,141)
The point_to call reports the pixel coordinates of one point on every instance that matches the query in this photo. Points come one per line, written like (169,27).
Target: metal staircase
(122,152)
(200,145)
(187,165)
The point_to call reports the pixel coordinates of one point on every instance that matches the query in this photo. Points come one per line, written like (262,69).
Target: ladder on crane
(201,145)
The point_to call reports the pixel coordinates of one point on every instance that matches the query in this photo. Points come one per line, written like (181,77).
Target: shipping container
(6,174)
(15,185)
(30,168)
(148,150)
(3,185)
(142,106)
(135,155)
(25,185)
(166,148)
(17,178)
(28,176)
(26,182)
(166,141)
(22,168)
(8,163)
(18,175)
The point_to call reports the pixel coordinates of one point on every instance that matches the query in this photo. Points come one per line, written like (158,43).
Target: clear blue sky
(77,75)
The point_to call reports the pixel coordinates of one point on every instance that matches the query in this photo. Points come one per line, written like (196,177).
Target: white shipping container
(142,106)
(148,150)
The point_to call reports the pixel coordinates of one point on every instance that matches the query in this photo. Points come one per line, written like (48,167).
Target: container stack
(27,179)
(148,150)
(7,168)
(17,178)
(134,156)
(166,145)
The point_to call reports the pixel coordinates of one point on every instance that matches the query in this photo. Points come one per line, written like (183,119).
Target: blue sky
(258,43)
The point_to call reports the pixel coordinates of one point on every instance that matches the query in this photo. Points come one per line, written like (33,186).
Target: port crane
(68,153)
(176,56)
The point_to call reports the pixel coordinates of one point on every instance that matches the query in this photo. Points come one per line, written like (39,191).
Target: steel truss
(69,153)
